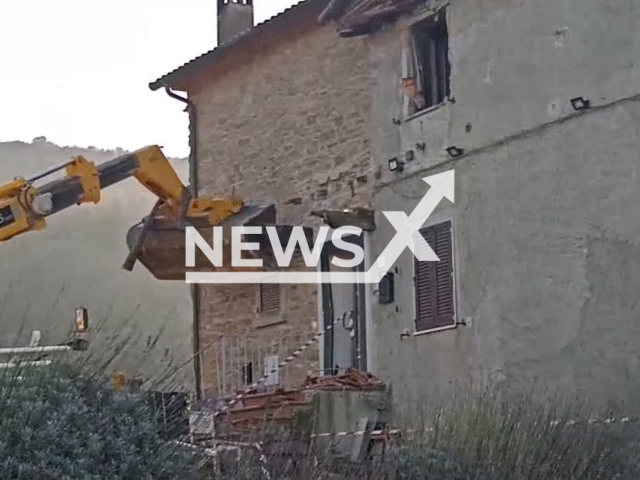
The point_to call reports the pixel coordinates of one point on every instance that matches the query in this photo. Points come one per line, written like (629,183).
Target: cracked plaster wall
(546,220)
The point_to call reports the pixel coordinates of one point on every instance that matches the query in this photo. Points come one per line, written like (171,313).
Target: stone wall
(232,335)
(289,127)
(284,125)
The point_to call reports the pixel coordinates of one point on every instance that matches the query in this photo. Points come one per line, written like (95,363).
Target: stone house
(273,120)
(533,105)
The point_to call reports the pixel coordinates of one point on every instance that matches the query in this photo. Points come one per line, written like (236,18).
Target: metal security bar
(240,361)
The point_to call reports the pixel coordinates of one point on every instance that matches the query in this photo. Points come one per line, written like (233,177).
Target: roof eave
(177,78)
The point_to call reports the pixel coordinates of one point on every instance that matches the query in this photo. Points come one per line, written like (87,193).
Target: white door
(271,364)
(344,309)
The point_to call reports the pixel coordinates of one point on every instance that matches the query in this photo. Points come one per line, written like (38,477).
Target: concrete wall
(545,219)
(283,124)
(77,261)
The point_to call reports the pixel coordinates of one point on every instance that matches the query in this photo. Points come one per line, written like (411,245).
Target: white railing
(33,348)
(20,350)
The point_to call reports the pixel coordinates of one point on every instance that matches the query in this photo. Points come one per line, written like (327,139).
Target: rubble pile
(372,13)
(352,379)
(253,411)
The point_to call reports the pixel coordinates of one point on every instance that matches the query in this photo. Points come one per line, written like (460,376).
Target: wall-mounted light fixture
(454,151)
(396,165)
(82,320)
(580,103)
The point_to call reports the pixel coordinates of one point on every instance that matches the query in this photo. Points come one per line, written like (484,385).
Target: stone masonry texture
(284,125)
(230,338)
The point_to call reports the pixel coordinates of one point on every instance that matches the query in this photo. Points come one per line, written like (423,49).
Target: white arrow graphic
(407,235)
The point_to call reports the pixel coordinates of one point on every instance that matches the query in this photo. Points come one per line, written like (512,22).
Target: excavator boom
(25,207)
(148,165)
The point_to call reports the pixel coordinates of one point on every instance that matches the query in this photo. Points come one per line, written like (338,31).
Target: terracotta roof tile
(209,57)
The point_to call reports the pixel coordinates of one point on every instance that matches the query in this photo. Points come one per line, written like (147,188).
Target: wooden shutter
(434,281)
(270,297)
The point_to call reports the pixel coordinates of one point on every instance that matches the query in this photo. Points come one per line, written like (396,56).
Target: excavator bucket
(161,246)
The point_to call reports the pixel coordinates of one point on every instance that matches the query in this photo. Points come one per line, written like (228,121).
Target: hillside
(77,261)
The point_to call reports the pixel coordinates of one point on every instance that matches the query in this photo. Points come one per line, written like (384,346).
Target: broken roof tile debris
(366,16)
(351,379)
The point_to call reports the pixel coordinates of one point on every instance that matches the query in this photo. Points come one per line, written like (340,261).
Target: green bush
(56,423)
(59,423)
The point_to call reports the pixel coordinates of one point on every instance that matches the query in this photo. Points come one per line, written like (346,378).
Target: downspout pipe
(193,140)
(193,181)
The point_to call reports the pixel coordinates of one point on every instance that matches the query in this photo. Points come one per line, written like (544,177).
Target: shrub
(59,423)
(56,423)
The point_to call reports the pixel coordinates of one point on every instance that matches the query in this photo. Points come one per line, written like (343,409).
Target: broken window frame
(247,374)
(429,34)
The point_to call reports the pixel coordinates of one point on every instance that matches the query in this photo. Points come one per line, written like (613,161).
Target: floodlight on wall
(454,151)
(82,320)
(580,103)
(396,165)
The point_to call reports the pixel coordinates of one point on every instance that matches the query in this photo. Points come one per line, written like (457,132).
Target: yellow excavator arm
(25,207)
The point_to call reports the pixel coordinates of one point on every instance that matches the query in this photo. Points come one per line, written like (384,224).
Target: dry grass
(53,426)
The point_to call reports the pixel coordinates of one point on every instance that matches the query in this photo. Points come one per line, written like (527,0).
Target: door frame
(327,310)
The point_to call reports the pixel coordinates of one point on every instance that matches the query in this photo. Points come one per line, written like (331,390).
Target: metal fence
(237,362)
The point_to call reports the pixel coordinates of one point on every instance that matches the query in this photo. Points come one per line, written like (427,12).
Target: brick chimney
(234,17)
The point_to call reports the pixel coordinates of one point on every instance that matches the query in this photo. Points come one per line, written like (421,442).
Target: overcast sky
(77,71)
